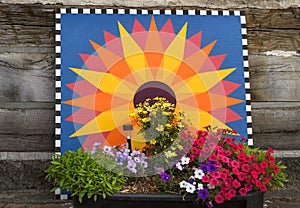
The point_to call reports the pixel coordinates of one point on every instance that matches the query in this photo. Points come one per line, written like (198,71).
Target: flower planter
(251,200)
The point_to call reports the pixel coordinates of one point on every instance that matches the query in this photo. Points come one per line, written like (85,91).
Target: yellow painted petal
(207,119)
(204,81)
(103,122)
(176,48)
(104,81)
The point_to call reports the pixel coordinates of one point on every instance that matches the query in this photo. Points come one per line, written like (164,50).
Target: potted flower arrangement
(175,168)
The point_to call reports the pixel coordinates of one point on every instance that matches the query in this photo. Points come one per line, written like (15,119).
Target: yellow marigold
(169,154)
(160,128)
(153,141)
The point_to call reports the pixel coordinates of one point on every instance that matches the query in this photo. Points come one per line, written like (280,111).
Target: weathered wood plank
(258,19)
(271,117)
(26,25)
(285,140)
(212,4)
(274,78)
(273,39)
(26,77)
(33,25)
(22,175)
(27,129)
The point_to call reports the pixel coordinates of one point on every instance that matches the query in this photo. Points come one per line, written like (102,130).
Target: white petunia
(183,184)
(178,166)
(190,188)
(200,186)
(185,160)
(198,173)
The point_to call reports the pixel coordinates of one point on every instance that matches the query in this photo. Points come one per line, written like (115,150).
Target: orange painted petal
(154,59)
(207,49)
(115,138)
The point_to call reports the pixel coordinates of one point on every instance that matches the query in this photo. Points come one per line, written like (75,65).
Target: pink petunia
(236,183)
(205,179)
(248,186)
(254,174)
(263,188)
(245,168)
(232,192)
(243,191)
(235,164)
(264,165)
(214,182)
(219,199)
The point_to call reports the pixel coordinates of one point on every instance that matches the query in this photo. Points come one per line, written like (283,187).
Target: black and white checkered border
(58,192)
(147,11)
(247,80)
(141,11)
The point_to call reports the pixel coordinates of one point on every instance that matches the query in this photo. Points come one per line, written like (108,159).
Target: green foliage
(81,174)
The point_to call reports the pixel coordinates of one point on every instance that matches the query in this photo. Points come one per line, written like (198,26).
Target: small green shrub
(83,176)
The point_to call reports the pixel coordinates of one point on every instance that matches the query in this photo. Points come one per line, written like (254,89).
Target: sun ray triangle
(104,81)
(130,47)
(83,88)
(153,42)
(206,119)
(82,116)
(93,62)
(217,60)
(107,56)
(153,26)
(137,27)
(176,48)
(207,49)
(108,36)
(224,87)
(103,122)
(225,115)
(204,81)
(196,39)
(168,27)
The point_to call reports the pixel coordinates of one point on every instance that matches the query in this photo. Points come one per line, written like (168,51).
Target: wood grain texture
(274,78)
(33,25)
(27,129)
(273,39)
(26,77)
(211,4)
(30,25)
(258,19)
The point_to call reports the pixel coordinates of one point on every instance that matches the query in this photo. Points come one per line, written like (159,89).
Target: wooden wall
(27,75)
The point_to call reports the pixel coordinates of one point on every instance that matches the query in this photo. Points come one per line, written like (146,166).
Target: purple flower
(211,166)
(131,164)
(203,194)
(204,168)
(165,177)
(135,153)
